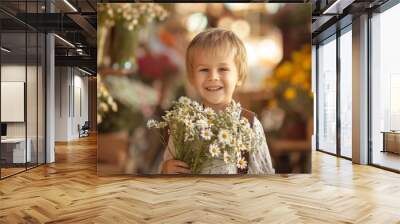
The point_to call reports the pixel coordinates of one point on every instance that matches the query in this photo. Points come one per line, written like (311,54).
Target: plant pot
(112,151)
(124,42)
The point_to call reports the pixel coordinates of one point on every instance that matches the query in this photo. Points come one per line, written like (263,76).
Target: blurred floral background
(141,51)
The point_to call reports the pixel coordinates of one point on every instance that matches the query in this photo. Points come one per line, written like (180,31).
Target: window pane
(327,97)
(385,89)
(345,94)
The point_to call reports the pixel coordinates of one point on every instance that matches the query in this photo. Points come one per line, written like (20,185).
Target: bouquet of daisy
(201,135)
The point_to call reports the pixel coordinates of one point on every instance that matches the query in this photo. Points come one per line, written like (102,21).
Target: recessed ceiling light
(64,40)
(337,7)
(86,72)
(5,49)
(70,5)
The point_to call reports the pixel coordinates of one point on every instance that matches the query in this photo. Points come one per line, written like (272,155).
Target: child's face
(214,77)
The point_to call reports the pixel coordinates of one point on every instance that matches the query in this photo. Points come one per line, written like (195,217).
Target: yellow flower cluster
(295,74)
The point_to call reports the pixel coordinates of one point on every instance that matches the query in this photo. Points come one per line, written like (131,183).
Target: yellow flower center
(290,93)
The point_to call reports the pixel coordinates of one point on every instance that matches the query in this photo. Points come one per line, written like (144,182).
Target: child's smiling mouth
(213,88)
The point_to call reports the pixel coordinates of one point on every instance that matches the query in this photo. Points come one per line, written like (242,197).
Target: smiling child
(216,63)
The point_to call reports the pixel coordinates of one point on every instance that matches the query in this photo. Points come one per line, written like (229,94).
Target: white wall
(80,110)
(71,93)
(61,103)
(12,73)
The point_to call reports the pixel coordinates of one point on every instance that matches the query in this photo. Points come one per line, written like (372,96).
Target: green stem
(165,143)
(196,165)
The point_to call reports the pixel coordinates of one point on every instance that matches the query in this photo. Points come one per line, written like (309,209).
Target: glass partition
(14,153)
(22,88)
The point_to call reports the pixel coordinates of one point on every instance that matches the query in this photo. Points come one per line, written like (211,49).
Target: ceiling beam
(337,7)
(84,24)
(81,61)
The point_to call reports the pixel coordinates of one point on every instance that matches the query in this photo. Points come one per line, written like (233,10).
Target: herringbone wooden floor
(69,191)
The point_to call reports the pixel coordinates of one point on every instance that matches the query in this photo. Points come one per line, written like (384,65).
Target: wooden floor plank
(69,191)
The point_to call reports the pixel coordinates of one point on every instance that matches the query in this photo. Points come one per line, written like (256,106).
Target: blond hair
(215,40)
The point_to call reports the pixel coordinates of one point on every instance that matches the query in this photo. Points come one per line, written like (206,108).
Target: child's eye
(224,69)
(204,70)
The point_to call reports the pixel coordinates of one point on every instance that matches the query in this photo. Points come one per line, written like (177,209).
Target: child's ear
(239,83)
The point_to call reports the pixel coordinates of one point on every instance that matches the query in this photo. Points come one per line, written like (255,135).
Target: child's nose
(214,75)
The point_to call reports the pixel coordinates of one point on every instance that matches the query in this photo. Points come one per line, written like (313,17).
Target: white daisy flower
(245,123)
(241,163)
(235,114)
(162,124)
(214,150)
(184,100)
(236,149)
(188,137)
(197,106)
(206,134)
(238,154)
(189,124)
(151,123)
(209,111)
(202,124)
(242,147)
(224,136)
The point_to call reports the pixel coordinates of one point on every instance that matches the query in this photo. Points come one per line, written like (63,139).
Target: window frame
(334,37)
